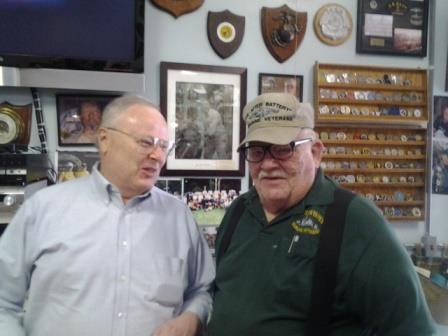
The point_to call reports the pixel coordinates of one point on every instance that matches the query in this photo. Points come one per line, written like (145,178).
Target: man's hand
(186,324)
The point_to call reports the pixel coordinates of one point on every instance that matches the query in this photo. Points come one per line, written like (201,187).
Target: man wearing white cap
(276,273)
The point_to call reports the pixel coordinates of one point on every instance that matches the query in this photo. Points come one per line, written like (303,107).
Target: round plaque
(333,24)
(9,130)
(226,32)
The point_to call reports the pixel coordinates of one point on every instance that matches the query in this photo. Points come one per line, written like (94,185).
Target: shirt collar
(321,193)
(106,189)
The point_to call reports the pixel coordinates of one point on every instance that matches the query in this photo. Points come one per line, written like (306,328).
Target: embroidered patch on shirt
(310,223)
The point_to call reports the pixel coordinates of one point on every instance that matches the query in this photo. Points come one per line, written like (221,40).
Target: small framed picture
(78,117)
(203,107)
(171,186)
(392,27)
(209,232)
(75,164)
(440,117)
(281,83)
(208,198)
(446,73)
(440,167)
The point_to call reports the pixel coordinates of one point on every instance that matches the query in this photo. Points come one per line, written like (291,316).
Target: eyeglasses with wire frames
(257,153)
(147,144)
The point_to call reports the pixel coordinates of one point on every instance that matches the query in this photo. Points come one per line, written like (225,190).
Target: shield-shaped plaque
(283,30)
(178,7)
(225,32)
(15,124)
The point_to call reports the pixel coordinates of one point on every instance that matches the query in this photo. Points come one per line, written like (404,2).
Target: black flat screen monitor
(100,35)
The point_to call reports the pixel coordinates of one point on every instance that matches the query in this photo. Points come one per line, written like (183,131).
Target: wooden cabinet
(375,142)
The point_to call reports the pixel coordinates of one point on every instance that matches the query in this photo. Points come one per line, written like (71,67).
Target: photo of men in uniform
(204,117)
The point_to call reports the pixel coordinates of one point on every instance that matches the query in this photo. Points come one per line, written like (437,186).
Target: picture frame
(440,167)
(203,108)
(74,164)
(446,73)
(172,186)
(440,118)
(210,232)
(209,198)
(269,82)
(397,28)
(78,117)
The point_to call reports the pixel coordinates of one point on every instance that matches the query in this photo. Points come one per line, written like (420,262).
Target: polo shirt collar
(321,193)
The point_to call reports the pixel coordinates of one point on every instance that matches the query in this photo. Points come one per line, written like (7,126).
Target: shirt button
(120,315)
(274,246)
(124,243)
(123,278)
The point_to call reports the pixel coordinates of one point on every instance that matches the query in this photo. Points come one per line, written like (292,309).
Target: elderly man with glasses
(110,253)
(277,273)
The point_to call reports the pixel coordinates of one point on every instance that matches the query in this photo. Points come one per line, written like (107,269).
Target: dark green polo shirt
(264,280)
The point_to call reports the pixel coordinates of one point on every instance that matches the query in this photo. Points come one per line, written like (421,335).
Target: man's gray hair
(120,105)
(308,133)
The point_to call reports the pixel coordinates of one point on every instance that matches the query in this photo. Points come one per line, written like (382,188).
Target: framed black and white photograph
(292,84)
(203,107)
(392,27)
(78,117)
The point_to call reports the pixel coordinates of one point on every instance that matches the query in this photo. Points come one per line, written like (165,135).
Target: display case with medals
(366,94)
(394,27)
(14,124)
(385,164)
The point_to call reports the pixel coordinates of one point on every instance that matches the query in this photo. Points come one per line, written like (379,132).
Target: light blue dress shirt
(77,261)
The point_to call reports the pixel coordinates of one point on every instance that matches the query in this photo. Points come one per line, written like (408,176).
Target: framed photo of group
(293,84)
(392,27)
(79,116)
(203,108)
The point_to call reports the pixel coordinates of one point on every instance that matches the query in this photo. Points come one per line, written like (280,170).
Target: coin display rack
(361,94)
(386,165)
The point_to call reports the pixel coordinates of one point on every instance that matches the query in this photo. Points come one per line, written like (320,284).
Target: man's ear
(317,149)
(103,140)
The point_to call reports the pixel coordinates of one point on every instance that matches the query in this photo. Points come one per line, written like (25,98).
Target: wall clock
(14,124)
(333,24)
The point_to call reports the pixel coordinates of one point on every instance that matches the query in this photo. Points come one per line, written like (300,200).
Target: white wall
(185,40)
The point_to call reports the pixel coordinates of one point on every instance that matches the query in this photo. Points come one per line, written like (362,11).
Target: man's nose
(268,159)
(157,154)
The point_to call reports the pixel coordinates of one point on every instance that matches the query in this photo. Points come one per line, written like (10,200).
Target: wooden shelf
(370,87)
(383,185)
(374,142)
(374,171)
(374,157)
(397,203)
(359,119)
(405,218)
(370,102)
